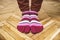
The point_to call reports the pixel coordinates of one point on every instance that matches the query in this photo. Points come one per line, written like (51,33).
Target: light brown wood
(5,35)
(14,32)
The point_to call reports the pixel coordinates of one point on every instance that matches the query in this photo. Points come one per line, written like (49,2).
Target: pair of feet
(30,23)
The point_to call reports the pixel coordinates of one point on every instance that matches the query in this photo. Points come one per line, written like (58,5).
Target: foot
(24,26)
(36,27)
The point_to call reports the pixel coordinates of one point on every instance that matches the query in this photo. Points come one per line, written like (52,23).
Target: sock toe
(39,28)
(33,29)
(21,28)
(27,29)
(24,28)
(36,28)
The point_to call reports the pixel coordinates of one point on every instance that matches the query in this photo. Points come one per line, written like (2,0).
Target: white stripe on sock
(35,21)
(24,21)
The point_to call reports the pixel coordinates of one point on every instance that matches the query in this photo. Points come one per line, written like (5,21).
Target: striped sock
(23,26)
(36,26)
(29,22)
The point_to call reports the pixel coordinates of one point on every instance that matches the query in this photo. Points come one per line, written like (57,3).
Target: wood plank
(1,24)
(5,35)
(52,35)
(55,35)
(13,20)
(45,20)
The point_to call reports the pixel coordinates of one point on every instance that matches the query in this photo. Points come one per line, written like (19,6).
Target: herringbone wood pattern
(10,15)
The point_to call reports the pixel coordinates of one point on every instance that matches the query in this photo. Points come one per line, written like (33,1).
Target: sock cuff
(30,13)
(25,19)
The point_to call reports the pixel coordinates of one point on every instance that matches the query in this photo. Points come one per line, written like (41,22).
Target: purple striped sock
(36,26)
(29,22)
(24,25)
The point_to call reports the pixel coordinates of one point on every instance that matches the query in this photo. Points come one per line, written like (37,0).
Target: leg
(36,26)
(23,5)
(36,5)
(23,26)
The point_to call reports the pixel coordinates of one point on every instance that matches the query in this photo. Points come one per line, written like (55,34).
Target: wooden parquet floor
(10,15)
